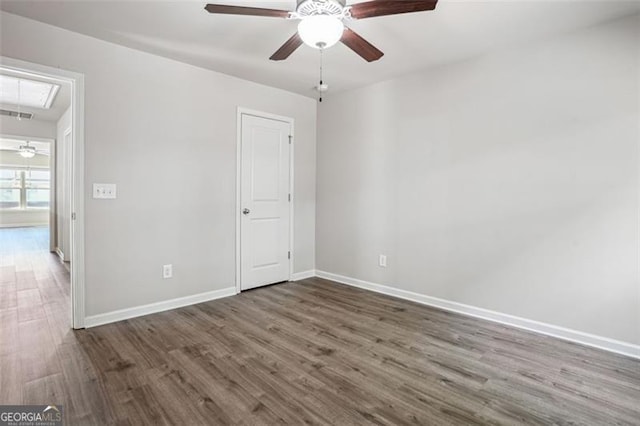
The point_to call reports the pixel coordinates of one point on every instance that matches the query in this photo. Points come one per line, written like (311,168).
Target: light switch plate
(104,190)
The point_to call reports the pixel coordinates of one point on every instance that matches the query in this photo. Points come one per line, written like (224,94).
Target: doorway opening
(41,188)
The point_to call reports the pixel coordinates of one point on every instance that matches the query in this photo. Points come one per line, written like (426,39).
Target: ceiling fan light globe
(27,151)
(320,31)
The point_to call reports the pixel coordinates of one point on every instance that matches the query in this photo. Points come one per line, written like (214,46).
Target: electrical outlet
(167,271)
(382,261)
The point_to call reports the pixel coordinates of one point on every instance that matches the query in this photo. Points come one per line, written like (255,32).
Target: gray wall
(507,182)
(165,133)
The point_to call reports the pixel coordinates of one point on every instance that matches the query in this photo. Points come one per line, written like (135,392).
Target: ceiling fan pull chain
(19,117)
(321,82)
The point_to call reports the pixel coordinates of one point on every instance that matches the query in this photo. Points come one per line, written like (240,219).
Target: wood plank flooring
(312,352)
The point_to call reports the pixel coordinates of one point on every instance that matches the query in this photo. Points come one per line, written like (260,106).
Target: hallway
(34,315)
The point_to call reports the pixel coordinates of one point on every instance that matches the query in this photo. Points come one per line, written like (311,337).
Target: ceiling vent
(16,114)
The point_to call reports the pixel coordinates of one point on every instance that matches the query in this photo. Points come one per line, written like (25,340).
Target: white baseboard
(303,275)
(152,308)
(575,336)
(60,254)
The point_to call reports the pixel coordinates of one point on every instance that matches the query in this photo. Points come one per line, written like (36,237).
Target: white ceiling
(60,104)
(241,45)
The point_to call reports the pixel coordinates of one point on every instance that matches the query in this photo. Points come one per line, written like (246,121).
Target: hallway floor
(35,315)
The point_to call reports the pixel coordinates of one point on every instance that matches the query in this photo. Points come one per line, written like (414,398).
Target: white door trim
(77,179)
(246,111)
(53,194)
(67,189)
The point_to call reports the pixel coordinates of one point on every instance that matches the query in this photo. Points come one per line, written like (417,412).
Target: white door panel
(265,183)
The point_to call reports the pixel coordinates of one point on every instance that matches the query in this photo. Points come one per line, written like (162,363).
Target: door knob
(246,211)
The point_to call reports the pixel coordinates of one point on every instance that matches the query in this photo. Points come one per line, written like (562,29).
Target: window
(10,189)
(24,189)
(37,189)
(25,92)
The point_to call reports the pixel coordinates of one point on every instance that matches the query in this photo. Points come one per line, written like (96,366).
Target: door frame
(53,203)
(67,170)
(77,173)
(246,111)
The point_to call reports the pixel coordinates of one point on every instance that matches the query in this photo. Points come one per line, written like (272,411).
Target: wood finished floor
(311,352)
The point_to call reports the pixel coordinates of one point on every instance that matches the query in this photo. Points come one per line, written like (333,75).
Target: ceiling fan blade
(371,9)
(361,46)
(287,48)
(251,11)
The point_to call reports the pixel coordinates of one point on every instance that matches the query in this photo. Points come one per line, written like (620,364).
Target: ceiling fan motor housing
(321,7)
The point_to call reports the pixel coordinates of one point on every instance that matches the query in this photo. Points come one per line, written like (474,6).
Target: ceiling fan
(321,22)
(26,151)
